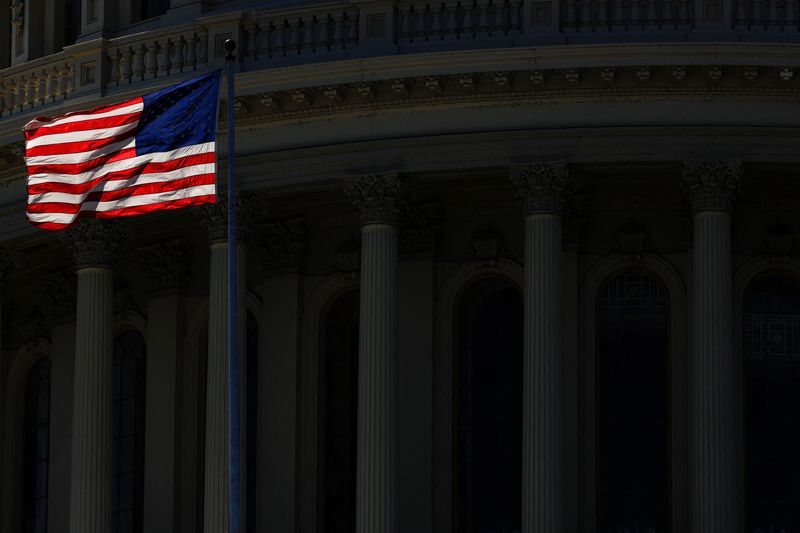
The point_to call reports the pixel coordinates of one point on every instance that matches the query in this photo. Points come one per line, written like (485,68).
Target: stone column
(215,501)
(542,189)
(378,197)
(93,243)
(714,369)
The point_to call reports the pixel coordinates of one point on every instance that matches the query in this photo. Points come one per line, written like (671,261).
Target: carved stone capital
(542,187)
(488,246)
(712,185)
(379,198)
(214,217)
(166,264)
(420,227)
(284,245)
(93,242)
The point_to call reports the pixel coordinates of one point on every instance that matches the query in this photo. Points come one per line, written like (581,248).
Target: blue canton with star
(178,116)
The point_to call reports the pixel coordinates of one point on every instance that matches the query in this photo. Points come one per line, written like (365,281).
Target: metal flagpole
(234,466)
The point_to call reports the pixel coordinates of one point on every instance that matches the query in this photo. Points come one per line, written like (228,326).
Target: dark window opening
(772,403)
(72,21)
(338,412)
(632,373)
(37,447)
(488,409)
(128,432)
(153,8)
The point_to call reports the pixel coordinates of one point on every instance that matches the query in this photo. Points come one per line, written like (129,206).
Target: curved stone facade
(413,152)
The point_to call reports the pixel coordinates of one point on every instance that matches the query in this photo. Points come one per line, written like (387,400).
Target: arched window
(632,384)
(128,436)
(338,413)
(488,408)
(37,446)
(772,403)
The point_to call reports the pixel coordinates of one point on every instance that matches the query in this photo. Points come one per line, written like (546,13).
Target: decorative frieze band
(542,187)
(712,185)
(93,242)
(379,198)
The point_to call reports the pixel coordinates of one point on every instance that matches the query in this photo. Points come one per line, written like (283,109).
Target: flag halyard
(151,153)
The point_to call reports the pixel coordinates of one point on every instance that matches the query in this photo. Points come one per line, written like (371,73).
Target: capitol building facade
(506,266)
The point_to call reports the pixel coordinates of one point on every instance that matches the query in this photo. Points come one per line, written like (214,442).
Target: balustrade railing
(149,56)
(767,15)
(627,15)
(280,36)
(437,21)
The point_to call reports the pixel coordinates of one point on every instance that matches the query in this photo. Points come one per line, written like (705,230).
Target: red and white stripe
(84,164)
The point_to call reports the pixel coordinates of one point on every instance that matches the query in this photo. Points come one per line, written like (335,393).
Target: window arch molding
(322,297)
(592,284)
(749,272)
(449,297)
(22,363)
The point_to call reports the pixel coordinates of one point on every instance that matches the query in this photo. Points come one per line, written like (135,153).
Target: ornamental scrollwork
(94,242)
(214,217)
(284,244)
(542,187)
(379,198)
(712,185)
(18,15)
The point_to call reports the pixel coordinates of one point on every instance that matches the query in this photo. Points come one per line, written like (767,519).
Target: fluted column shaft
(93,243)
(377,381)
(90,510)
(714,370)
(542,187)
(379,198)
(215,501)
(541,491)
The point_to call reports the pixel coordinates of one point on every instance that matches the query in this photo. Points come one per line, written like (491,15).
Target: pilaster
(715,425)
(166,265)
(379,198)
(93,244)
(542,188)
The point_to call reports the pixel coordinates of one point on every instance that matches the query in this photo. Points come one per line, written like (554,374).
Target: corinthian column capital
(93,242)
(214,217)
(380,198)
(712,185)
(542,187)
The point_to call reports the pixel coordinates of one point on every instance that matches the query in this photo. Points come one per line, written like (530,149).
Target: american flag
(150,153)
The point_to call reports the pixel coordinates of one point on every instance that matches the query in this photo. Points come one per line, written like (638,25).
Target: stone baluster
(542,187)
(202,47)
(190,53)
(178,54)
(651,22)
(636,14)
(139,53)
(586,14)
(151,61)
(162,56)
(715,426)
(93,243)
(113,61)
(379,199)
(773,21)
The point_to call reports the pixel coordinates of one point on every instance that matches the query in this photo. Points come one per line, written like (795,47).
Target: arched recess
(770,384)
(447,305)
(191,433)
(322,297)
(592,284)
(24,360)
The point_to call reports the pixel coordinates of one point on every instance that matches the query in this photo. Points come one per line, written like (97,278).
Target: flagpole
(234,466)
